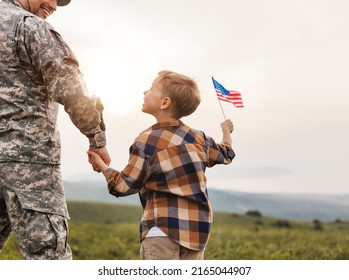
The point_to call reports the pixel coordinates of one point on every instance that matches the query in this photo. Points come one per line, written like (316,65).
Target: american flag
(230,96)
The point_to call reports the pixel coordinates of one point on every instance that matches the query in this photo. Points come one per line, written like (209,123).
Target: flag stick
(220,103)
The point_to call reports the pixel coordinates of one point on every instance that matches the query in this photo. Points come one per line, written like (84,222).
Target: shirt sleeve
(132,178)
(218,153)
(39,45)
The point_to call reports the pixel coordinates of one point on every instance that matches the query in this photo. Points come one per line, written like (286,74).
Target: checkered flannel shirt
(167,168)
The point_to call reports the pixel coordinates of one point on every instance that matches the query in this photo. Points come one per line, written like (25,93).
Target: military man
(38,71)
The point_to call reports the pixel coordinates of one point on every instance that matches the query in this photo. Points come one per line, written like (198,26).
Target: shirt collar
(164,125)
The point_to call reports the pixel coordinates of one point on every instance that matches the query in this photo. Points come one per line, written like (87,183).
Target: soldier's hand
(103,153)
(96,161)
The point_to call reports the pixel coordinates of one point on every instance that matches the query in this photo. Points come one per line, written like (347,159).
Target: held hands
(99,159)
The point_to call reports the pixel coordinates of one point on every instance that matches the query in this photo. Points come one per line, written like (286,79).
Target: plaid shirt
(167,167)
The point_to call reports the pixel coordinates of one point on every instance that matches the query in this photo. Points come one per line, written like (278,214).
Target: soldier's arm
(60,74)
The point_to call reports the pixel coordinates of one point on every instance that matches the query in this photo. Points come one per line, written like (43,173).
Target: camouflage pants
(33,207)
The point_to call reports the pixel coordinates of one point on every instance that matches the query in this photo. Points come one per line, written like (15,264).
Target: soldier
(38,71)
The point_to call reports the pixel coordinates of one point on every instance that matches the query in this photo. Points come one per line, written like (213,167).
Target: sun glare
(117,97)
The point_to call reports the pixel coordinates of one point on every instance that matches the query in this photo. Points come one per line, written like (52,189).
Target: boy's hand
(96,161)
(103,153)
(227,126)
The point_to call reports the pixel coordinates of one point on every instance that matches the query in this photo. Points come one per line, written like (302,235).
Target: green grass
(108,231)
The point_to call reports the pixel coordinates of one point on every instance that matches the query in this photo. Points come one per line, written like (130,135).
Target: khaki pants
(163,248)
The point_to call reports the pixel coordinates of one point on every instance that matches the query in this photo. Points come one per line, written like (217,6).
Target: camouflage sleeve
(58,70)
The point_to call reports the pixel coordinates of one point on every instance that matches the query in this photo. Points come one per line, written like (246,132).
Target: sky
(289,60)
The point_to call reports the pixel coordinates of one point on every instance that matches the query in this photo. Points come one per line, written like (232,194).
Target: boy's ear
(165,103)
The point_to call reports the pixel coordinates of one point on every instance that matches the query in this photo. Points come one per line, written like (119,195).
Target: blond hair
(183,92)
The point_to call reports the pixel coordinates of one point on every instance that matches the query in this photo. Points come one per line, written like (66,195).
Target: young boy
(167,168)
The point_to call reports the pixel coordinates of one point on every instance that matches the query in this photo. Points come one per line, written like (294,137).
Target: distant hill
(287,206)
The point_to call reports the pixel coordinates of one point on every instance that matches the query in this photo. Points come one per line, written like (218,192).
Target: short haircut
(183,92)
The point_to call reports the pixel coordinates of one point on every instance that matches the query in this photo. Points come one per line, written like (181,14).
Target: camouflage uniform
(38,71)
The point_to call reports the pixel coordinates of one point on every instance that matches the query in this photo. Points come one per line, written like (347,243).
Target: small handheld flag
(230,96)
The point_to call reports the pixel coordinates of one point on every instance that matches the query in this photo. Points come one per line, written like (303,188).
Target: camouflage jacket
(38,71)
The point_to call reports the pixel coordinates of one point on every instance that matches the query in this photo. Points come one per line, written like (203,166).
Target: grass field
(108,231)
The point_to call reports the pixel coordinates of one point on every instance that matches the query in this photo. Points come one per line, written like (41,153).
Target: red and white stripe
(234,97)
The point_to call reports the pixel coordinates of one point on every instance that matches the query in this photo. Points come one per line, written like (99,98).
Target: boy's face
(153,98)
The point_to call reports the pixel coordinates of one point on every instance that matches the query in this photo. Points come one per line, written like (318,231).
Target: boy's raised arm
(227,128)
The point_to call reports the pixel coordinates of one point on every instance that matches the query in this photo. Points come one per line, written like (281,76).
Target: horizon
(96,178)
